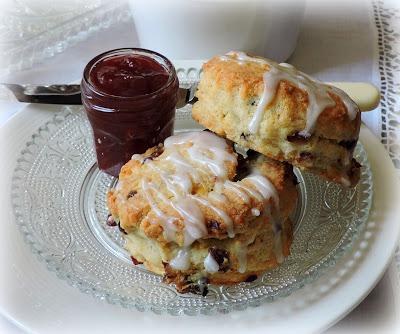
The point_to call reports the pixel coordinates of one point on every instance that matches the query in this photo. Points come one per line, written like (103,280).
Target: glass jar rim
(162,60)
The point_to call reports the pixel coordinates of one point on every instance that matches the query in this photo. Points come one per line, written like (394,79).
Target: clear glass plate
(59,200)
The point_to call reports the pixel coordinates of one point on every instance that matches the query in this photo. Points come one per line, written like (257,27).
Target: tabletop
(339,41)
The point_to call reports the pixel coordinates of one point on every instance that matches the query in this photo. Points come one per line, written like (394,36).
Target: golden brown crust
(261,236)
(226,102)
(130,206)
(260,258)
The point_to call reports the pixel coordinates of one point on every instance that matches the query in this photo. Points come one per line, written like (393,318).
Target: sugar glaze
(192,157)
(318,92)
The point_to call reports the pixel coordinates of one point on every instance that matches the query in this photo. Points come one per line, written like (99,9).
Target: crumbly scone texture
(258,241)
(228,94)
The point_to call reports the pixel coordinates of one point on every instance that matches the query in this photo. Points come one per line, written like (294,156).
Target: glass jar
(129,96)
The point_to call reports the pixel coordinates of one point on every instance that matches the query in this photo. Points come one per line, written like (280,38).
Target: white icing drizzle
(218,187)
(202,153)
(241,150)
(137,157)
(182,260)
(351,106)
(204,139)
(204,143)
(250,191)
(265,99)
(193,219)
(264,186)
(210,265)
(232,186)
(216,197)
(203,149)
(167,222)
(227,220)
(211,163)
(165,177)
(184,168)
(318,93)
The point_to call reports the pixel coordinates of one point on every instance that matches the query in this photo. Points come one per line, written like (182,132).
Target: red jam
(129,96)
(128,75)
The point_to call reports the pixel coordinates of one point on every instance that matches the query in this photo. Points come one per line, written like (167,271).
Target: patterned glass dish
(59,200)
(31,31)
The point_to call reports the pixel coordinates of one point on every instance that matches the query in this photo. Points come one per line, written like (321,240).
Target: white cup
(200,29)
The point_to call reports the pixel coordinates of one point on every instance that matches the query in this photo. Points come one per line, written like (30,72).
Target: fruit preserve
(129,96)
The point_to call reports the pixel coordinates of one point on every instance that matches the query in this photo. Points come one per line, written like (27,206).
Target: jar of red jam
(129,96)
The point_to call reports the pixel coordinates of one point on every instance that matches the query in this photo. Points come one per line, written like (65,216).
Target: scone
(191,212)
(282,113)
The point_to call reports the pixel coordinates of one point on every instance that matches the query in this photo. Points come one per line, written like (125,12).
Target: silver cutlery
(366,95)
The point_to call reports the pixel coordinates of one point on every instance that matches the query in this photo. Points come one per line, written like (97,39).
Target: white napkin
(337,43)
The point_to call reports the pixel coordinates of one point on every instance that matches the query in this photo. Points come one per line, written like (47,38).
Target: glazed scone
(282,113)
(192,213)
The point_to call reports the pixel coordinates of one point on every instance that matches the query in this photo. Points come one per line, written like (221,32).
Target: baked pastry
(191,212)
(282,113)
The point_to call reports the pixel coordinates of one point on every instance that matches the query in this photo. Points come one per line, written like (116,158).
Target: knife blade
(51,94)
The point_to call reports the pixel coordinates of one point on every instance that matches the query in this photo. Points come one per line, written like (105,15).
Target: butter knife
(366,95)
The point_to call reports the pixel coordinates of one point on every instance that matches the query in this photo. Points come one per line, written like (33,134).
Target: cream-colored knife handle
(366,95)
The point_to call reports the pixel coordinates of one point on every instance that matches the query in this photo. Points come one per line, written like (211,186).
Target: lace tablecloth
(341,40)
(387,21)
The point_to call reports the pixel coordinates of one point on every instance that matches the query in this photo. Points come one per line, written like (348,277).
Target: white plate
(38,301)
